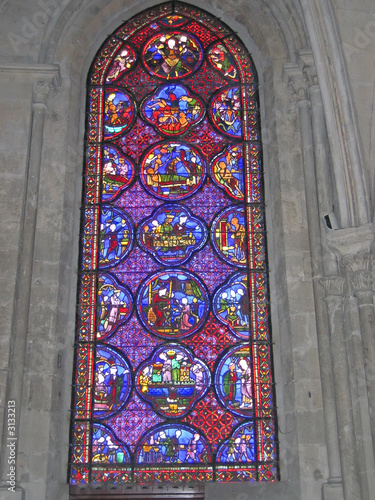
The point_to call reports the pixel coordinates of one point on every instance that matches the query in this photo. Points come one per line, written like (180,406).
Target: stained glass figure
(233,380)
(172,170)
(106,448)
(222,60)
(172,303)
(172,234)
(240,447)
(227,171)
(116,236)
(173,378)
(121,63)
(115,305)
(173,444)
(119,112)
(231,304)
(226,112)
(173,21)
(118,172)
(228,235)
(112,381)
(172,109)
(171,55)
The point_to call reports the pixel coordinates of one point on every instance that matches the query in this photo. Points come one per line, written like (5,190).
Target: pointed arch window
(173,374)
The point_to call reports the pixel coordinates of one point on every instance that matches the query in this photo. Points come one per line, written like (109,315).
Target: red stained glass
(173,379)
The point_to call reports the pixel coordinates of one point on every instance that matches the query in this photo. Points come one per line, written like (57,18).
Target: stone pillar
(361,281)
(354,248)
(42,90)
(299,82)
(347,162)
(334,287)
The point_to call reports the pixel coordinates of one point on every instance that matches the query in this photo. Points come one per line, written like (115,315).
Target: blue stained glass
(172,171)
(116,236)
(231,305)
(173,109)
(172,234)
(173,444)
(112,381)
(172,303)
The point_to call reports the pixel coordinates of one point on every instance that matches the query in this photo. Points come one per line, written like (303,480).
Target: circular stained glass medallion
(172,54)
(172,171)
(172,303)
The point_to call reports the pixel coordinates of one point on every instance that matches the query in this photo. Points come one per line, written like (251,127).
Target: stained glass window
(173,373)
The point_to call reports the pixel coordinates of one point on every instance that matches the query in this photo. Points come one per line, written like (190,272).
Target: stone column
(347,162)
(334,287)
(299,82)
(42,90)
(354,249)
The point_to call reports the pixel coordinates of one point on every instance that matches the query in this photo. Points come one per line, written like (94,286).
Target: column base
(332,491)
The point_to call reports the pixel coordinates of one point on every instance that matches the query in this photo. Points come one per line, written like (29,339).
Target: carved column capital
(295,80)
(354,248)
(42,92)
(302,75)
(333,285)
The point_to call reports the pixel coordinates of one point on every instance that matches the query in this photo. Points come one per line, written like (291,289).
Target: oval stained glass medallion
(231,305)
(118,172)
(227,171)
(221,59)
(124,61)
(115,305)
(226,112)
(116,236)
(119,112)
